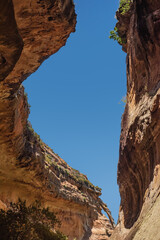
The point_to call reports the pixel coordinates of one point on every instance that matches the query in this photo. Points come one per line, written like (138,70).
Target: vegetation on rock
(64,168)
(124,7)
(70,172)
(20,222)
(115,36)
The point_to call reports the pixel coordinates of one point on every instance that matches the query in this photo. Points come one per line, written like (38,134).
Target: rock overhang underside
(31,31)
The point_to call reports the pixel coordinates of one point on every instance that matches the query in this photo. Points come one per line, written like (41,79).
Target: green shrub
(114,35)
(124,6)
(20,222)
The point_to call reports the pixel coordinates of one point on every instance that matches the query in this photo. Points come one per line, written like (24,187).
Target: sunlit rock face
(139,161)
(30,31)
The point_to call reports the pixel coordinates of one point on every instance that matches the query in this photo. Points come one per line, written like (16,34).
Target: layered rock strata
(139,162)
(30,31)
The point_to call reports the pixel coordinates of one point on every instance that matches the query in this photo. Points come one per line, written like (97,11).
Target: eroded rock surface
(30,32)
(139,162)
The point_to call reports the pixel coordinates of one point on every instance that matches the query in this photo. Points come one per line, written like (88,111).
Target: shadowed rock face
(30,31)
(138,167)
(44,27)
(11,43)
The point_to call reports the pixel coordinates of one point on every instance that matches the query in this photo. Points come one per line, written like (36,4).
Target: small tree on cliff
(124,7)
(20,222)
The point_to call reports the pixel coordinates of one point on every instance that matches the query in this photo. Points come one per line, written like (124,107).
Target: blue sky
(75,97)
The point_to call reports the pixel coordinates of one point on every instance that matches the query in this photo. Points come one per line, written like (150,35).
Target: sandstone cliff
(139,161)
(30,31)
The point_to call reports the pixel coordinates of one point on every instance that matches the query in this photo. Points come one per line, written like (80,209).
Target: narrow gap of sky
(75,97)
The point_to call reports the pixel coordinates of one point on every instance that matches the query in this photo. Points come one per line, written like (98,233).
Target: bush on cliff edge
(20,222)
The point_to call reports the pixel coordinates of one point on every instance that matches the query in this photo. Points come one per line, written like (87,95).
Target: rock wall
(139,161)
(30,31)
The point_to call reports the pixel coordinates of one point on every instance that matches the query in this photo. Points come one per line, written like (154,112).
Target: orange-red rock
(30,31)
(138,167)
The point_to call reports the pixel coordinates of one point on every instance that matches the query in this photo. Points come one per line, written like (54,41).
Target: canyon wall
(139,161)
(31,31)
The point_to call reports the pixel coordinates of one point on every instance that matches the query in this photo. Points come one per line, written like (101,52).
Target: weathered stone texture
(31,31)
(138,167)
